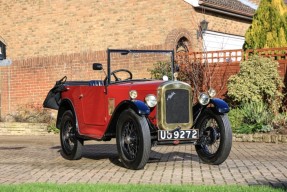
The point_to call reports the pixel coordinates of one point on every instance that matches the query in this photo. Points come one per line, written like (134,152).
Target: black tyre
(133,140)
(71,145)
(215,139)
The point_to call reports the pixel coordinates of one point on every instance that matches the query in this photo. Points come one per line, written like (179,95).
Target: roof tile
(230,5)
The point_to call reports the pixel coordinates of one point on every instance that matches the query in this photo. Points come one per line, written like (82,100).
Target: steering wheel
(120,70)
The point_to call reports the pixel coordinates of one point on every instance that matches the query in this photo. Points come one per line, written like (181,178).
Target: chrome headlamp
(203,99)
(211,92)
(133,94)
(151,100)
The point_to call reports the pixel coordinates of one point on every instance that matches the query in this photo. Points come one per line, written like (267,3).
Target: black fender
(138,106)
(65,105)
(220,106)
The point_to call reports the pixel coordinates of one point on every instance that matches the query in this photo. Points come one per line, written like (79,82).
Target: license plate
(178,135)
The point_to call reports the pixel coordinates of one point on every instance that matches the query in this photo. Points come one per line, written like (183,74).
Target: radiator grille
(174,108)
(177,106)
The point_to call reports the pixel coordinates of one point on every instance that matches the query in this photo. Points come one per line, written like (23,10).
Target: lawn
(35,187)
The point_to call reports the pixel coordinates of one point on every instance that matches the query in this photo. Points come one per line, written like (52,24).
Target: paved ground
(25,159)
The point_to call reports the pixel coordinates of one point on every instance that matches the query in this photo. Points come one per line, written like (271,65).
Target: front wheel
(71,145)
(215,139)
(133,140)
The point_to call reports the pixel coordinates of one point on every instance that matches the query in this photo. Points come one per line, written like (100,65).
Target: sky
(250,4)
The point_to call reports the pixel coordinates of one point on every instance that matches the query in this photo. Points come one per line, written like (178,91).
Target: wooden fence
(214,68)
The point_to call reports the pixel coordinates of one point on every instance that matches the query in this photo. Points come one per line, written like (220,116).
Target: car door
(94,104)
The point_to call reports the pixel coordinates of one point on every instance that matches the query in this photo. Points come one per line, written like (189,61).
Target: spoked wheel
(215,139)
(133,140)
(71,145)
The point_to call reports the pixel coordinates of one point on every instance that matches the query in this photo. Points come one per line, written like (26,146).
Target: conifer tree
(269,26)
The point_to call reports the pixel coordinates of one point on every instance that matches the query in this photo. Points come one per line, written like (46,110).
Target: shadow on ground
(109,151)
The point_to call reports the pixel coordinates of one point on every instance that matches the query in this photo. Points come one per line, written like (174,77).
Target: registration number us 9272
(178,135)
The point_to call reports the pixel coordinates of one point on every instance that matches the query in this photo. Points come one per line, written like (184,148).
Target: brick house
(46,40)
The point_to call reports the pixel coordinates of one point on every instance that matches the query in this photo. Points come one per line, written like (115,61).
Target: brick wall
(49,39)
(45,28)
(225,24)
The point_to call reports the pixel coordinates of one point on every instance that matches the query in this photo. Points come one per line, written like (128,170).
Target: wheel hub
(127,140)
(211,135)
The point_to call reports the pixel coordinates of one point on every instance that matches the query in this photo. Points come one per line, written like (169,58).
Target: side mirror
(97,66)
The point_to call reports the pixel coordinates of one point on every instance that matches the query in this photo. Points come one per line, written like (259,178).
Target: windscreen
(140,65)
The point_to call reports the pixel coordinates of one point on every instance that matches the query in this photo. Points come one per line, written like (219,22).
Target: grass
(44,187)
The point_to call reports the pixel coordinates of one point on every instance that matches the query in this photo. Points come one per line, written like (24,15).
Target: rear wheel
(133,140)
(71,145)
(215,139)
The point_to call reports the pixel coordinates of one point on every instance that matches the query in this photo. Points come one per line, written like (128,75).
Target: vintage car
(138,111)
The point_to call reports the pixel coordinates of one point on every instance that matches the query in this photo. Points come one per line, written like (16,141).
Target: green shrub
(248,129)
(257,81)
(236,118)
(268,28)
(280,120)
(245,129)
(256,113)
(252,117)
(160,69)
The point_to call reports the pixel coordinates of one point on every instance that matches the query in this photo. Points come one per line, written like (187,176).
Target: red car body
(91,103)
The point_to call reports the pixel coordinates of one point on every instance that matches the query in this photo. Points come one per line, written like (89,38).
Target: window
(182,45)
(2,51)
